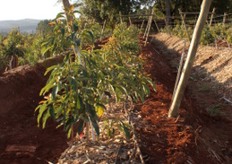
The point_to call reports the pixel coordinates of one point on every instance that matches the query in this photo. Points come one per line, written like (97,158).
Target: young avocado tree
(13,48)
(178,95)
(75,93)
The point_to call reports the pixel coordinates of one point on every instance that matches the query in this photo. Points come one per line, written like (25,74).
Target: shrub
(76,89)
(207,36)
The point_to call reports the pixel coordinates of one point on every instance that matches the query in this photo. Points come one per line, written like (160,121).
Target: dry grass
(212,65)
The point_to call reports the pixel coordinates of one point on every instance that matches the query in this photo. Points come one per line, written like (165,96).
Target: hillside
(25,25)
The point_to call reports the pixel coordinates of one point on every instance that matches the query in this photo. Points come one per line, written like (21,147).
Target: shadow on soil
(212,113)
(21,141)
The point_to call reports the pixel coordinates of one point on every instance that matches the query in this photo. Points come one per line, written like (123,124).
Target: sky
(29,9)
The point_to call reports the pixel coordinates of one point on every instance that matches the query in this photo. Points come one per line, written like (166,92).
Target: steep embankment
(21,141)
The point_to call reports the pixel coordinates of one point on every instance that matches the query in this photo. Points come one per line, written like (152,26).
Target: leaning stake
(178,95)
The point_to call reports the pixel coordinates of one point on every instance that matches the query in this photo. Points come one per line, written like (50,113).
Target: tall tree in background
(191,6)
(109,10)
(168,11)
(13,47)
(43,28)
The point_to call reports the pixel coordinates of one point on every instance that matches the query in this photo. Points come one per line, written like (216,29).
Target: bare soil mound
(21,141)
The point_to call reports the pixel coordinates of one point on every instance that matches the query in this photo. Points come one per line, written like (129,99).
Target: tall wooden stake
(157,27)
(130,20)
(149,27)
(145,33)
(120,16)
(183,23)
(141,27)
(173,111)
(224,19)
(183,56)
(212,16)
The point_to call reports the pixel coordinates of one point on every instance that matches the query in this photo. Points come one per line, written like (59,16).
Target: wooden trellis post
(212,16)
(178,95)
(130,20)
(183,56)
(184,24)
(224,19)
(156,25)
(148,27)
(144,35)
(141,27)
(120,16)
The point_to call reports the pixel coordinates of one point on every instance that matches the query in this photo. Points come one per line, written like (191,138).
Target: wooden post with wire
(141,27)
(148,27)
(185,74)
(144,35)
(183,56)
(224,19)
(130,20)
(211,17)
(120,16)
(184,24)
(157,27)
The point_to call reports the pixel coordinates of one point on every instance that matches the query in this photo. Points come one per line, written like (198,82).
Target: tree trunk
(67,7)
(168,11)
(178,95)
(13,62)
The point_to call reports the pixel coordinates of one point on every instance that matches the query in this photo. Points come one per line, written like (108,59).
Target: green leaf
(69,132)
(41,109)
(69,123)
(125,130)
(51,110)
(73,84)
(122,89)
(95,125)
(78,102)
(60,15)
(54,92)
(62,31)
(50,69)
(75,27)
(46,115)
(80,126)
(45,50)
(91,110)
(91,35)
(152,84)
(146,89)
(46,88)
(77,42)
(113,90)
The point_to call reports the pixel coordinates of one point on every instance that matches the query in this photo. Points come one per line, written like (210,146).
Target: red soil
(21,141)
(191,138)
